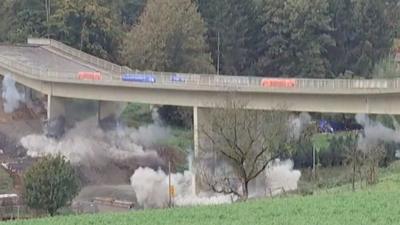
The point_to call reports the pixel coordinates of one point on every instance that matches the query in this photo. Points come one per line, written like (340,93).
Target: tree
(363,33)
(169,37)
(88,25)
(298,35)
(352,155)
(234,34)
(50,184)
(246,141)
(127,11)
(22,19)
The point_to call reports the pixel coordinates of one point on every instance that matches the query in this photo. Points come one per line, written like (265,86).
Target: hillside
(375,205)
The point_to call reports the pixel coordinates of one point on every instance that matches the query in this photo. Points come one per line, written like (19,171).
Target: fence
(16,212)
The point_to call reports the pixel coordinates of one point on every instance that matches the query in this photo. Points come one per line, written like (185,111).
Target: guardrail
(198,80)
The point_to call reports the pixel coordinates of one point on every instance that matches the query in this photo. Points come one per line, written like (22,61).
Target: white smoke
(280,177)
(11,96)
(298,124)
(152,190)
(375,132)
(151,186)
(87,142)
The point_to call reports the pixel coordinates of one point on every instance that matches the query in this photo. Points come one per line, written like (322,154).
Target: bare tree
(373,156)
(243,142)
(353,156)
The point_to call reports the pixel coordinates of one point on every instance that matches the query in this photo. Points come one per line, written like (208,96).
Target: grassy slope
(375,205)
(6,182)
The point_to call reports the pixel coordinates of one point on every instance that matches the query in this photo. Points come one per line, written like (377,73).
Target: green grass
(374,205)
(6,182)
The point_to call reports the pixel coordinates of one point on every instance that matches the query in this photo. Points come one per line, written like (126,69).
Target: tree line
(295,38)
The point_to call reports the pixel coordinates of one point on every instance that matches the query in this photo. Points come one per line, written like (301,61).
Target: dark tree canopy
(363,35)
(299,38)
(235,26)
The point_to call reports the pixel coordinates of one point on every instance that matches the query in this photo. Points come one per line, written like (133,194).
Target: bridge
(52,68)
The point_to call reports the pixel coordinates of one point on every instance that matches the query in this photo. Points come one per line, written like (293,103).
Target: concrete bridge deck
(38,57)
(51,68)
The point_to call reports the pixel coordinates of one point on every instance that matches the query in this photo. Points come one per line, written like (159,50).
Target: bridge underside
(385,103)
(324,103)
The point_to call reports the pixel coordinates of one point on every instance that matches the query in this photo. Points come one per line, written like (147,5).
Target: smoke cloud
(151,186)
(280,176)
(299,123)
(97,152)
(151,189)
(128,153)
(11,96)
(375,132)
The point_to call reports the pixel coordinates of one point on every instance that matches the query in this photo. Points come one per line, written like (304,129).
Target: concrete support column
(55,126)
(55,107)
(108,113)
(201,122)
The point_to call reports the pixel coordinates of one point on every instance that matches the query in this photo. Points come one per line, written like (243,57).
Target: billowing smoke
(151,186)
(281,177)
(298,124)
(151,189)
(11,96)
(88,146)
(374,132)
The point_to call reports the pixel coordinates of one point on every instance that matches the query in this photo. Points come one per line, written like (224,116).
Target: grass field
(6,182)
(375,205)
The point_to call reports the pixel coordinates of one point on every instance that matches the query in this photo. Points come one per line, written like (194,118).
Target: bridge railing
(198,80)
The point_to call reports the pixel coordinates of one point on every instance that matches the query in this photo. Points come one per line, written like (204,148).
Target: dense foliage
(316,38)
(50,184)
(169,37)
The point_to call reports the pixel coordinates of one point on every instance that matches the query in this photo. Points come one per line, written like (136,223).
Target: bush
(50,184)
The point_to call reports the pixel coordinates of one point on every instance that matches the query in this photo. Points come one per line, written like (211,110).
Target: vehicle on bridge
(136,77)
(89,76)
(278,83)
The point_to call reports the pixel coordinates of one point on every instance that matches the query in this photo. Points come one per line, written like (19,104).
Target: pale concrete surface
(312,95)
(40,57)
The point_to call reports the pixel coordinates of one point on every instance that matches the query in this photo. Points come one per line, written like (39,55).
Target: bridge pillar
(201,144)
(108,113)
(55,126)
(55,107)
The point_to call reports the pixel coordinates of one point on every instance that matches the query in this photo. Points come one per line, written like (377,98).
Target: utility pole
(218,52)
(48,7)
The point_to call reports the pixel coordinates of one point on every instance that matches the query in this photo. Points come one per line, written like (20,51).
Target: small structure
(113,203)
